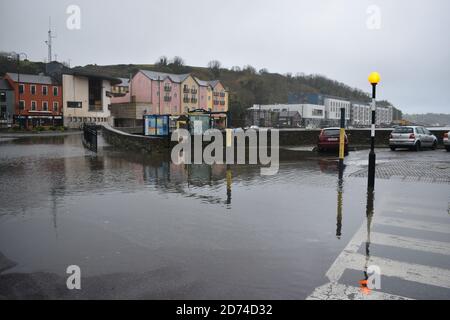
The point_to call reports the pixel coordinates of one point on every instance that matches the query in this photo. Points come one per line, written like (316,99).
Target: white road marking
(407,271)
(337,291)
(339,265)
(410,243)
(419,211)
(413,224)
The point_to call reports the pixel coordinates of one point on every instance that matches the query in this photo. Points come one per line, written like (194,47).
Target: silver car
(412,137)
(447,141)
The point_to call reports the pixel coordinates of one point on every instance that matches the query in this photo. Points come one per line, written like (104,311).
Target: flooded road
(142,227)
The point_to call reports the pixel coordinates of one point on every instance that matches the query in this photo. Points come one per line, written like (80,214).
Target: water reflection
(340,191)
(224,231)
(369,217)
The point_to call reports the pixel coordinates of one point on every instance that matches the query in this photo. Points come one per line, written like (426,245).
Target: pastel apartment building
(153,92)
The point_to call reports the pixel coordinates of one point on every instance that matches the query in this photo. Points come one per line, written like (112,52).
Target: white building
(333,108)
(312,115)
(384,115)
(86,98)
(361,114)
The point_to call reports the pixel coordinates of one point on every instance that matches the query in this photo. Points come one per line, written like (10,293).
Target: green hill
(247,86)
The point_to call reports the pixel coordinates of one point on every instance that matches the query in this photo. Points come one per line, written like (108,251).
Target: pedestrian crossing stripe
(410,243)
(338,291)
(350,259)
(413,224)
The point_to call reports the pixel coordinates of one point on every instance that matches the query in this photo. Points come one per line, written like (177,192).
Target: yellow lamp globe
(374,78)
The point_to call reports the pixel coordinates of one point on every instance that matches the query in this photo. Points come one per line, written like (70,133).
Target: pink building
(151,92)
(160,91)
(204,95)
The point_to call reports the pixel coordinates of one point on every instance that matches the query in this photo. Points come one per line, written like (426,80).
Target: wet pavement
(142,227)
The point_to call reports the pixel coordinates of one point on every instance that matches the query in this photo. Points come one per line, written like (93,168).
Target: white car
(412,137)
(447,141)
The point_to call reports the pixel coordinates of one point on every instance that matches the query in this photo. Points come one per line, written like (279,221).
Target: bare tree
(162,61)
(214,67)
(177,64)
(249,69)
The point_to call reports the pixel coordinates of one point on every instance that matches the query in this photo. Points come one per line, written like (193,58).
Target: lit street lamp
(374,79)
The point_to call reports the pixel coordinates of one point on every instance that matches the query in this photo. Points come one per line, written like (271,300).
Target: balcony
(167,88)
(186,90)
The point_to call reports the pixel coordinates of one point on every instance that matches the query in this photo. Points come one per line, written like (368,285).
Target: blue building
(6,103)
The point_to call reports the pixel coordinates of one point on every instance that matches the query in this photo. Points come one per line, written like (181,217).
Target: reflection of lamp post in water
(369,216)
(339,206)
(229,182)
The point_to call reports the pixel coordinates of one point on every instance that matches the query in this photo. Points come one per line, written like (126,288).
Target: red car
(329,140)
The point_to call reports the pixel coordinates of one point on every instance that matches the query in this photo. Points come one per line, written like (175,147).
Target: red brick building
(38,100)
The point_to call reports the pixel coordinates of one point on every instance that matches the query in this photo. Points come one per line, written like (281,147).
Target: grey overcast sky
(410,49)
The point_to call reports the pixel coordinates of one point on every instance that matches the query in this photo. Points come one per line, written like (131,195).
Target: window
(33,89)
(21,88)
(22,105)
(55,106)
(55,91)
(317,112)
(44,90)
(33,105)
(2,96)
(44,106)
(403,130)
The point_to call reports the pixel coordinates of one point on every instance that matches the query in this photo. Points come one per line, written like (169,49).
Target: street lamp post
(374,79)
(18,79)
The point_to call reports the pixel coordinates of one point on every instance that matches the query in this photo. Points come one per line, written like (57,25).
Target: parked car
(447,141)
(412,137)
(329,140)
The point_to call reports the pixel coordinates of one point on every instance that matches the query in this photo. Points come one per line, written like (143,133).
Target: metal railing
(90,136)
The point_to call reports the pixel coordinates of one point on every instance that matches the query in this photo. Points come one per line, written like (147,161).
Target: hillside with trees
(429,119)
(247,86)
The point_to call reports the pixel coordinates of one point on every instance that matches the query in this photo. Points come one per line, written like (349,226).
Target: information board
(156,125)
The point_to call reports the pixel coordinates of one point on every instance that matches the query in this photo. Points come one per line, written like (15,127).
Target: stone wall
(358,138)
(132,142)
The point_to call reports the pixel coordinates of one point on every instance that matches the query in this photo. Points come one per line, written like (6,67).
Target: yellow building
(219,96)
(189,94)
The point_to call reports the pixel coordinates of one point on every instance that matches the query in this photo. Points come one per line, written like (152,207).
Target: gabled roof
(153,75)
(202,82)
(213,83)
(4,85)
(125,82)
(31,78)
